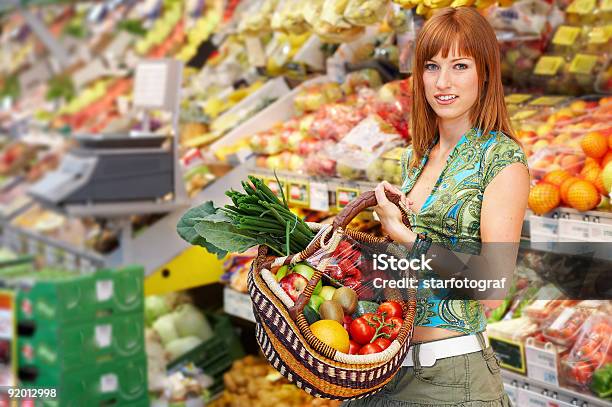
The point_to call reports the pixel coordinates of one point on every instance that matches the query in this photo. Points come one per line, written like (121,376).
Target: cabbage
(154,307)
(179,347)
(164,326)
(189,321)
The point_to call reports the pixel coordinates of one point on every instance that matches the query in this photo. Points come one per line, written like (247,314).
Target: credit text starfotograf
(384,262)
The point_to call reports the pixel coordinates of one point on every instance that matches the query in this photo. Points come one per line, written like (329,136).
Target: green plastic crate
(53,346)
(121,382)
(78,299)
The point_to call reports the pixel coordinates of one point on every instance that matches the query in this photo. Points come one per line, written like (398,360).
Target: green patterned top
(450,215)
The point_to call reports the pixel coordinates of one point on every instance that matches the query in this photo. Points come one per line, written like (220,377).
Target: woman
(466,179)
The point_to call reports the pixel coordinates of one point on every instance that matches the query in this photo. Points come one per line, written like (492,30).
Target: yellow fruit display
(331,333)
(544,198)
(583,196)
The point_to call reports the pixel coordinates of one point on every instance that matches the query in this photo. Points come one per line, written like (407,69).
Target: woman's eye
(461,66)
(430,67)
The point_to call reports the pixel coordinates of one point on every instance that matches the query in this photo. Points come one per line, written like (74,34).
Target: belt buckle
(427,357)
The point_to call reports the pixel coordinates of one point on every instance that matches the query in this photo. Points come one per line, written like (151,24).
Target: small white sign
(104,290)
(319,196)
(104,334)
(109,383)
(238,304)
(542,362)
(574,230)
(150,84)
(255,50)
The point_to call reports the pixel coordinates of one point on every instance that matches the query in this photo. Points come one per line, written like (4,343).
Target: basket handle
(365,201)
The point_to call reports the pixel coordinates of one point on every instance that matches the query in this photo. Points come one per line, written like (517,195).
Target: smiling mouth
(446,98)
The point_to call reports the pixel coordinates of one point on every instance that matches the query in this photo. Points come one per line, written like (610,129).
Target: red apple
(293,284)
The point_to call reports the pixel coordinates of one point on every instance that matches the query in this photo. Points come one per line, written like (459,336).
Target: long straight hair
(467,33)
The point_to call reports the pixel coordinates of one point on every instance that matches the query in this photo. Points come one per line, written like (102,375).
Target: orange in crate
(583,196)
(589,164)
(594,144)
(557,177)
(544,198)
(565,187)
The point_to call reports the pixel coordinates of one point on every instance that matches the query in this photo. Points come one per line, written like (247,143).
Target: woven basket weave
(285,337)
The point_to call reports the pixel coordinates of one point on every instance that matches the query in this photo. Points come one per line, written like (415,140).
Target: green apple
(327,292)
(316,301)
(306,271)
(282,272)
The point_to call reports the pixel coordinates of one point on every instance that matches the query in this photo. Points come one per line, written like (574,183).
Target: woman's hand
(390,215)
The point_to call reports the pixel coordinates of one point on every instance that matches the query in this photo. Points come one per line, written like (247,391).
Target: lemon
(331,333)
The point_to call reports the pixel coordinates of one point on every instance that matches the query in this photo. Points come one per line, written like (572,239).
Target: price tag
(319,196)
(344,196)
(548,65)
(510,353)
(548,100)
(299,193)
(581,7)
(512,392)
(238,304)
(255,51)
(104,290)
(275,188)
(104,334)
(574,230)
(583,64)
(600,233)
(109,383)
(542,226)
(517,98)
(566,35)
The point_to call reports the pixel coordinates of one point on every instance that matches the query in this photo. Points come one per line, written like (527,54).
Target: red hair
(467,33)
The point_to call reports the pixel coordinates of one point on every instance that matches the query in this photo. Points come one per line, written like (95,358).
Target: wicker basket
(287,341)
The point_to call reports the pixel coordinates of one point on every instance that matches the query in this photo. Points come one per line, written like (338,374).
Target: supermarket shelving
(528,392)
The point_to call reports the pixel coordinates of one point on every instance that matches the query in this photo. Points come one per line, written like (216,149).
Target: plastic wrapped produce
(334,121)
(364,144)
(599,39)
(289,17)
(365,12)
(322,162)
(582,12)
(256,19)
(386,167)
(555,74)
(364,78)
(518,59)
(312,97)
(590,352)
(563,326)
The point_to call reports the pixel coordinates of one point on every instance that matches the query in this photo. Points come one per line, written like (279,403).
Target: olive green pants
(471,380)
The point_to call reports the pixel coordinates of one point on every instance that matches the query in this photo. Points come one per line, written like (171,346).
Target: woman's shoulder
(499,151)
(498,144)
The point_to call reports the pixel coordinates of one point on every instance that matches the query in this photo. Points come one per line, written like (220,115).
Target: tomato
(370,348)
(361,330)
(384,343)
(393,330)
(390,309)
(354,347)
(371,318)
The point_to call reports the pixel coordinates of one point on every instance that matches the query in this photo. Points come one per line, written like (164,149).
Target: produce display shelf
(56,253)
(238,304)
(530,392)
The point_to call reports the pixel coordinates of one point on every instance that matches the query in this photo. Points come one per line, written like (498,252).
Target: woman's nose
(443,81)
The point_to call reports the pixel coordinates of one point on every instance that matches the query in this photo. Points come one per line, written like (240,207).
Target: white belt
(429,352)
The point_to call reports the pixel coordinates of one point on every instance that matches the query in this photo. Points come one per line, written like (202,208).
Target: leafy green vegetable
(186,227)
(133,27)
(256,217)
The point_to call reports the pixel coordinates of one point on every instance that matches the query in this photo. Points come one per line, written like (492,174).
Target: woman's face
(451,85)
